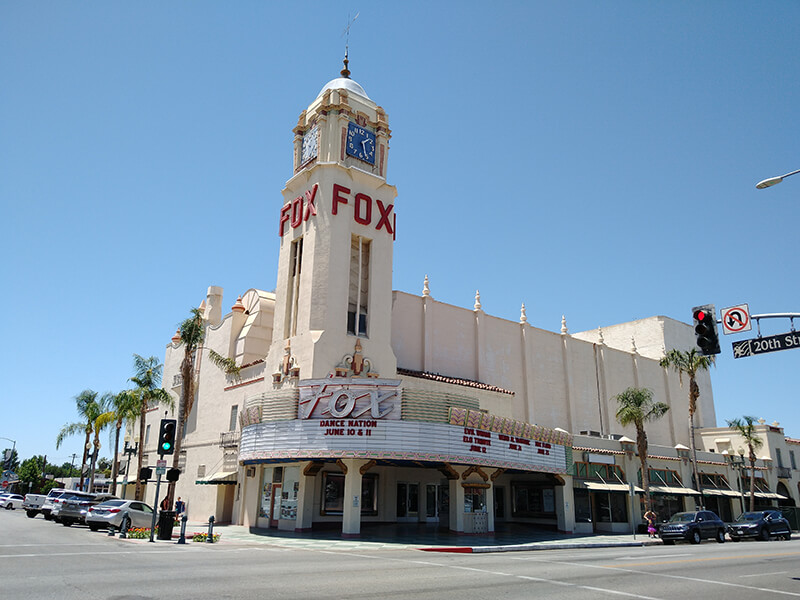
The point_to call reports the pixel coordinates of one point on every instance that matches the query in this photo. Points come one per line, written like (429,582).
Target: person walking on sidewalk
(651,517)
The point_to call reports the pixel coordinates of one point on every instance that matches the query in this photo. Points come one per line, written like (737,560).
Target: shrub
(203,537)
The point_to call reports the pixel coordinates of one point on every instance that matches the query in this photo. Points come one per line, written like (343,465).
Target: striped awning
(719,492)
(610,487)
(674,491)
(219,478)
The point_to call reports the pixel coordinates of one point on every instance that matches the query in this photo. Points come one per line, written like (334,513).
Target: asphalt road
(40,559)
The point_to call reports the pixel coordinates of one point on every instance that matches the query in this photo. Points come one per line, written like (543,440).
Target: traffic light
(705,329)
(145,473)
(173,474)
(166,436)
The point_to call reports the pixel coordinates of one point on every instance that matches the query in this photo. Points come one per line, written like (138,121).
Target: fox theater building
(355,404)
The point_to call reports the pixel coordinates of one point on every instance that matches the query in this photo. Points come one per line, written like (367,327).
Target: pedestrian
(165,503)
(180,506)
(651,517)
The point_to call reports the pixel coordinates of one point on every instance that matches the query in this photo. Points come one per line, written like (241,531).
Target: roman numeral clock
(361,143)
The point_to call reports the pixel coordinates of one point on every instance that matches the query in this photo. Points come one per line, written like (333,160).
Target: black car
(693,527)
(761,524)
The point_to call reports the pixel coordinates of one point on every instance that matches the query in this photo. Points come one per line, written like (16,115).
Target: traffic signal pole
(155,503)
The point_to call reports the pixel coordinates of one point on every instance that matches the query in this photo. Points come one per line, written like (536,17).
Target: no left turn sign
(736,319)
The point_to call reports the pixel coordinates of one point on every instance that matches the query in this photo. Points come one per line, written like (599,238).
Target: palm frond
(227,365)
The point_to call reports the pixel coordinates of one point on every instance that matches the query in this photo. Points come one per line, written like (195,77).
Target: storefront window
(474,500)
(612,507)
(532,500)
(333,494)
(583,506)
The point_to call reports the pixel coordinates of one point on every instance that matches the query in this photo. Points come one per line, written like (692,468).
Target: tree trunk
(752,458)
(83,460)
(114,467)
(187,393)
(641,444)
(138,492)
(694,392)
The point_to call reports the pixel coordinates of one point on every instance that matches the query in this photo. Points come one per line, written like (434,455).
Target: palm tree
(746,427)
(635,407)
(102,421)
(149,393)
(88,411)
(126,409)
(192,333)
(689,362)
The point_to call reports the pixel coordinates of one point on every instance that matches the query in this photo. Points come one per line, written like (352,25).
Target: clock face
(361,143)
(310,145)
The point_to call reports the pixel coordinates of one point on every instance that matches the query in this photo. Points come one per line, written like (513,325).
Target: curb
(534,546)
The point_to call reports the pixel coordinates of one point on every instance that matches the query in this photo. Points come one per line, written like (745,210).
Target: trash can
(166,521)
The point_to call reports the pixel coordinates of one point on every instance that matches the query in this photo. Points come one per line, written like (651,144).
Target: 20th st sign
(762,345)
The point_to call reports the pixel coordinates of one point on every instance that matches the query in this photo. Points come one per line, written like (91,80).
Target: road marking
(765,574)
(653,556)
(682,577)
(500,574)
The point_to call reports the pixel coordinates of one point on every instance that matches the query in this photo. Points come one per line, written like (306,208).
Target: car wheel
(8,507)
(695,538)
(763,535)
(66,522)
(31,514)
(669,542)
(735,539)
(48,517)
(721,536)
(787,536)
(94,526)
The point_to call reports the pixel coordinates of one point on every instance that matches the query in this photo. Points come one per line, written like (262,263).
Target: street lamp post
(129,451)
(13,449)
(765,183)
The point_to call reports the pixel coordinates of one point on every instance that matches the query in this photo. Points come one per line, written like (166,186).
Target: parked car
(761,524)
(33,504)
(74,508)
(111,512)
(11,501)
(58,503)
(693,527)
(47,506)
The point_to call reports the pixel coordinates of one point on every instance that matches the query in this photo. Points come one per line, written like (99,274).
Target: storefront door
(407,502)
(275,505)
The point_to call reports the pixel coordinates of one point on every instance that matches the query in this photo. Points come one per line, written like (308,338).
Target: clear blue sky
(591,159)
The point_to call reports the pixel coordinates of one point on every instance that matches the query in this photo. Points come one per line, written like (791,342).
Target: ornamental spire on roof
(346,72)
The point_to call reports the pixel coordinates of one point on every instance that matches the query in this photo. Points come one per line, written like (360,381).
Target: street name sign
(762,345)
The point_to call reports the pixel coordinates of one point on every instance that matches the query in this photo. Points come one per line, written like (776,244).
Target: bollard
(125,524)
(182,539)
(210,539)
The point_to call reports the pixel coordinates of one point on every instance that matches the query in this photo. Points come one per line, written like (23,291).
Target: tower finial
(346,72)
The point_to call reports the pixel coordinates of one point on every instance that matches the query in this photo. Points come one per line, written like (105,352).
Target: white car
(11,501)
(111,513)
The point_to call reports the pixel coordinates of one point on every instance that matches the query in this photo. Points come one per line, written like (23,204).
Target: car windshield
(753,516)
(682,518)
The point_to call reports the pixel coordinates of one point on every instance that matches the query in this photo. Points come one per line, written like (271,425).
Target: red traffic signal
(705,329)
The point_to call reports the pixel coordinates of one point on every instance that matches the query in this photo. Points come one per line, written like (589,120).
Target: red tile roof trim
(453,380)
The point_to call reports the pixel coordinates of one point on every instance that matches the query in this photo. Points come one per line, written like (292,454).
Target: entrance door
(275,505)
(407,502)
(433,502)
(499,503)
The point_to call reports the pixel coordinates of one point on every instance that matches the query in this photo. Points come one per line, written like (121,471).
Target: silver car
(111,513)
(11,501)
(74,508)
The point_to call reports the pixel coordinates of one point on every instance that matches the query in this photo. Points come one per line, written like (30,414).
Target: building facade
(357,404)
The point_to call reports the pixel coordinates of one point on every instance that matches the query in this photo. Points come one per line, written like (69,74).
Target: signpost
(762,345)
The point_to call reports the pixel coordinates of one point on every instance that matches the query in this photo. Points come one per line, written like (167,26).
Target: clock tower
(337,229)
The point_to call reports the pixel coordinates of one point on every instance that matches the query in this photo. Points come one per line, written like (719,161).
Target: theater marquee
(341,419)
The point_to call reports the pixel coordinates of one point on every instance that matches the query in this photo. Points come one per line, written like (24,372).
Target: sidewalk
(512,539)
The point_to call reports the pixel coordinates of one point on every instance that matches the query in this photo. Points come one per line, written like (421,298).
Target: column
(565,505)
(351,515)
